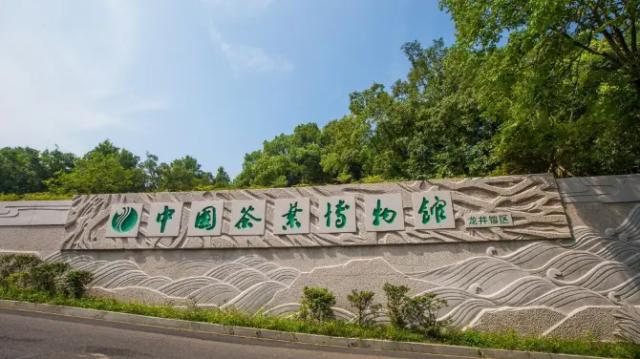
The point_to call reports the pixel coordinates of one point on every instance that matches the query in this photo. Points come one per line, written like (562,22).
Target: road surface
(37,335)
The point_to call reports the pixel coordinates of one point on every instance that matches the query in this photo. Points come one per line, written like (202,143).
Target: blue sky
(210,78)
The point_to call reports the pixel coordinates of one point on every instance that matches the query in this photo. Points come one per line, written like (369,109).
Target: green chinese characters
(291,217)
(384,212)
(336,213)
(247,218)
(206,218)
(164,219)
(435,210)
(164,216)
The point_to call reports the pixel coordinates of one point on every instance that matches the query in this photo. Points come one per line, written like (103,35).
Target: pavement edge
(267,334)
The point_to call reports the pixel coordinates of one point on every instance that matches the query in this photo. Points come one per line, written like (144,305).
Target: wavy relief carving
(533,201)
(558,288)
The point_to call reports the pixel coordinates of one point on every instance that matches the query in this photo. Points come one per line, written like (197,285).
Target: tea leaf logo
(124,219)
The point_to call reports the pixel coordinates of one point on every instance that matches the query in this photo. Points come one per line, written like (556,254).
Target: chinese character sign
(482,220)
(291,216)
(430,210)
(337,214)
(247,218)
(164,219)
(124,220)
(206,218)
(384,212)
(433,210)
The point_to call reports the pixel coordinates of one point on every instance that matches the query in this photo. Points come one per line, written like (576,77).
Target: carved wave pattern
(560,282)
(247,283)
(533,201)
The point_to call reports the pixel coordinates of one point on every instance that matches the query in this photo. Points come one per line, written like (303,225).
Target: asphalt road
(36,335)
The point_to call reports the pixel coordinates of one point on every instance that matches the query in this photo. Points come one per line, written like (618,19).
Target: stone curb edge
(302,338)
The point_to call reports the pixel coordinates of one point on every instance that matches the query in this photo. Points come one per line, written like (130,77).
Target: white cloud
(243,58)
(234,9)
(61,65)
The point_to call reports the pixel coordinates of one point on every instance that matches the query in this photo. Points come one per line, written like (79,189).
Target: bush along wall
(28,273)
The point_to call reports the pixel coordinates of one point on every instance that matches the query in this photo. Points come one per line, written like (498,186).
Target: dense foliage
(527,87)
(104,169)
(21,273)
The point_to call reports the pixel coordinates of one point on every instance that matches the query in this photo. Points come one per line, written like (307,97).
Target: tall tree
(606,29)
(561,78)
(222,178)
(286,160)
(105,169)
(20,170)
(183,174)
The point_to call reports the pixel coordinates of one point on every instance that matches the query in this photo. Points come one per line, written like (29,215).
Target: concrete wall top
(601,189)
(33,213)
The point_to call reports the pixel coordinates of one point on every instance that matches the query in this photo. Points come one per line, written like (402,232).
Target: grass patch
(584,346)
(36,196)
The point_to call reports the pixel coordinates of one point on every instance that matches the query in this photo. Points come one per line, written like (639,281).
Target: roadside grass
(507,340)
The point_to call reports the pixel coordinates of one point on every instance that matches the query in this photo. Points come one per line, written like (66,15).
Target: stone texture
(43,239)
(558,285)
(34,213)
(533,202)
(598,322)
(518,319)
(600,189)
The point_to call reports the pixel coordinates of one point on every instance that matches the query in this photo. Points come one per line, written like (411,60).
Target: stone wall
(558,285)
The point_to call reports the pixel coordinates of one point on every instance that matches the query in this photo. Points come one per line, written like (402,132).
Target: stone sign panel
(338,214)
(165,219)
(433,210)
(525,207)
(206,218)
(484,220)
(124,220)
(384,212)
(291,216)
(247,217)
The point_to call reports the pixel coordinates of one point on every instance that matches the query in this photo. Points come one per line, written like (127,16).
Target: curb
(292,337)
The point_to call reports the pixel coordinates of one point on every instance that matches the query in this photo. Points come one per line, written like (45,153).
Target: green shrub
(75,283)
(316,304)
(418,313)
(17,281)
(366,311)
(48,277)
(14,263)
(396,302)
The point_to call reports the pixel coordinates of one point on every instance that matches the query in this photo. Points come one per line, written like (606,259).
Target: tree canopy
(527,87)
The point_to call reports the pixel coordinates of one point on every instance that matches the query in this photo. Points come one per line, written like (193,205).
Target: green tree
(605,29)
(105,169)
(21,170)
(54,161)
(183,174)
(564,86)
(286,160)
(151,172)
(346,149)
(430,124)
(222,178)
